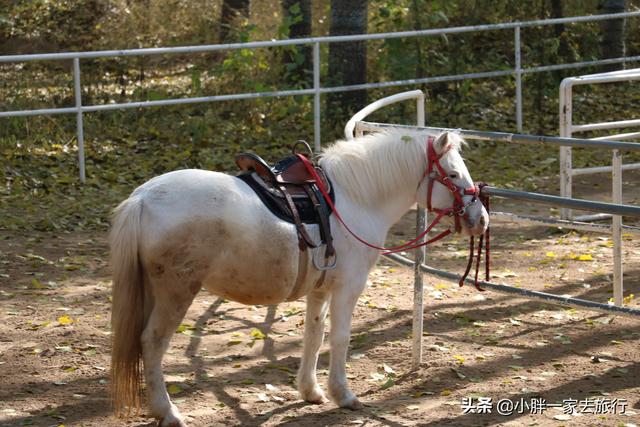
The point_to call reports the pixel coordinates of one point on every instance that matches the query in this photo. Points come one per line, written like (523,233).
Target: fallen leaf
(257,334)
(562,417)
(173,389)
(272,388)
(377,376)
(65,320)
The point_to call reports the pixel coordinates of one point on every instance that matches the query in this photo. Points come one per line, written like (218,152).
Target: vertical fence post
(518,79)
(419,256)
(616,228)
(79,124)
(316,97)
(566,130)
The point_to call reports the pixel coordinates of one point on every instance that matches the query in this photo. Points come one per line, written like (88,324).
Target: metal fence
(568,128)
(317,90)
(356,127)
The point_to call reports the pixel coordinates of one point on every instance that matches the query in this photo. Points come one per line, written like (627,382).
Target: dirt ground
(235,365)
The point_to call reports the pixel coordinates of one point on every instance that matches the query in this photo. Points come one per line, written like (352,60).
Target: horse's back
(209,229)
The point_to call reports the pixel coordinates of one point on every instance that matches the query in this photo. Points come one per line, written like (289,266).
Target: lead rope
(484,240)
(412,244)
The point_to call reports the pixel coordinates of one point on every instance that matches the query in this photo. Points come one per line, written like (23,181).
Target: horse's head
(447,187)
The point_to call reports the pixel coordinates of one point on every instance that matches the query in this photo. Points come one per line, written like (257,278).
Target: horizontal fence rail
(543,296)
(317,90)
(511,137)
(545,199)
(312,40)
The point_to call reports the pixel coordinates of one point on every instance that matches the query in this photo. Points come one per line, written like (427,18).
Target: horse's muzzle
(478,227)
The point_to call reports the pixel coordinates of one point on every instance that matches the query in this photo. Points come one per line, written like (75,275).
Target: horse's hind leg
(167,312)
(317,304)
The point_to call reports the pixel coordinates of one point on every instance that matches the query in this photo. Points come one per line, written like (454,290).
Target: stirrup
(328,265)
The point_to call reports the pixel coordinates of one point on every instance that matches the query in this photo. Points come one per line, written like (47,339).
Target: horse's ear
(441,142)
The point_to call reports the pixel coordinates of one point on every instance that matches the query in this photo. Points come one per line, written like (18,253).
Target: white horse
(189,229)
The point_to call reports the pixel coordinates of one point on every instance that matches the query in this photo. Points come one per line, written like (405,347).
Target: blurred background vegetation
(38,155)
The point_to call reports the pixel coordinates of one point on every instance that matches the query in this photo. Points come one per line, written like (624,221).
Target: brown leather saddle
(292,194)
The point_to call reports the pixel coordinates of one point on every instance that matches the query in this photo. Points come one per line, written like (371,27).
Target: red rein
(457,210)
(486,239)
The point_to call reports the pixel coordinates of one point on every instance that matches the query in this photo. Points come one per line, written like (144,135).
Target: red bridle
(459,208)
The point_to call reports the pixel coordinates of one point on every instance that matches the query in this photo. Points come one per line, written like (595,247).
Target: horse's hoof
(353,404)
(315,396)
(349,401)
(171,421)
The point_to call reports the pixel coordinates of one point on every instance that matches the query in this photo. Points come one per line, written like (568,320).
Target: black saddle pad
(276,203)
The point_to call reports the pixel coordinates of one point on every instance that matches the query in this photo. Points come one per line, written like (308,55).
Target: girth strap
(304,239)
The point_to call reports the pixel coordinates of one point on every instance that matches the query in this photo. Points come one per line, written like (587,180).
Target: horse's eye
(453,175)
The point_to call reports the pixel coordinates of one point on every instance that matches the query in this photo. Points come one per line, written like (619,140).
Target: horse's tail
(127,313)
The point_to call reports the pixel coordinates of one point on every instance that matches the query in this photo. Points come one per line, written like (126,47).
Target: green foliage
(38,155)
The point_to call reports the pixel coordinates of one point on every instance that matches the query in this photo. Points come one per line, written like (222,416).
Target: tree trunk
(612,44)
(297,59)
(231,9)
(564,49)
(347,60)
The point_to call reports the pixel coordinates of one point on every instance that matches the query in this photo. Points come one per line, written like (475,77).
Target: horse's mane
(378,164)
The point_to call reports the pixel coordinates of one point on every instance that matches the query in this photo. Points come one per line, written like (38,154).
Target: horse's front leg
(343,301)
(317,305)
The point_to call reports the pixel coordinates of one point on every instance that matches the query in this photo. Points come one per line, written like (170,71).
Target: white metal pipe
(317,142)
(582,64)
(425,80)
(602,169)
(566,117)
(619,136)
(514,138)
(418,295)
(77,89)
(611,74)
(543,296)
(39,112)
(420,111)
(593,217)
(311,40)
(616,224)
(420,258)
(606,125)
(611,77)
(518,72)
(383,102)
(565,224)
